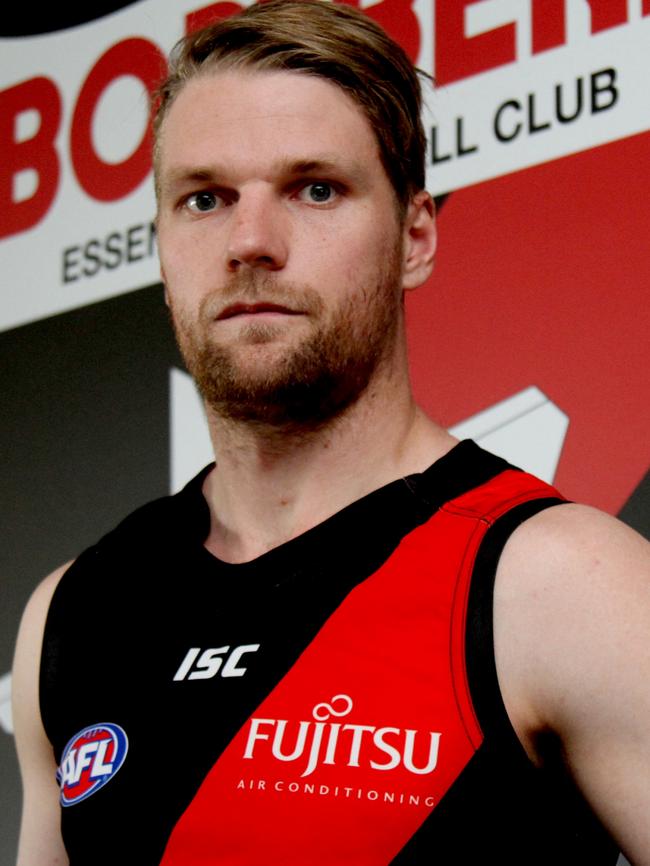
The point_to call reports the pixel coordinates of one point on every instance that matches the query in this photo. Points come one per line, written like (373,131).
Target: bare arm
(40,838)
(572,637)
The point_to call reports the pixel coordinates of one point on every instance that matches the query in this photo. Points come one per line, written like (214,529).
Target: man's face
(280,245)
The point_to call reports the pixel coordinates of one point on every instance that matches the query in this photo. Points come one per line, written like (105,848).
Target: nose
(258,232)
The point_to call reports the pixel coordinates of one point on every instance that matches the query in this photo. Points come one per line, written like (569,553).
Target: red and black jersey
(334,701)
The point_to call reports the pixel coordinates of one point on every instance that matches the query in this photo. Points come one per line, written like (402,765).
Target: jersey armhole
(480,658)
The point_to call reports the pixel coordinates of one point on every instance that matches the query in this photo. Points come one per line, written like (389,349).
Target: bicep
(583,666)
(604,718)
(40,838)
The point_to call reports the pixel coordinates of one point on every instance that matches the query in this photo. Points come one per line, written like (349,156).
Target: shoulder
(576,553)
(183,513)
(26,665)
(573,588)
(155,516)
(563,564)
(30,634)
(150,520)
(572,619)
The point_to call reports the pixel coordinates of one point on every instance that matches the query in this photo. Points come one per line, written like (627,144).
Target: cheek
(183,244)
(185,270)
(365,258)
(349,252)
(372,247)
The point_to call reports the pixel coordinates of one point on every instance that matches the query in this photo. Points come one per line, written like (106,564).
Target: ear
(420,239)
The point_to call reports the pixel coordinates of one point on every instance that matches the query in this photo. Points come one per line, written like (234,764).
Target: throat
(249,539)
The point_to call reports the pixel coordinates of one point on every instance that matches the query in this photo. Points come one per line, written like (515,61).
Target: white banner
(517,88)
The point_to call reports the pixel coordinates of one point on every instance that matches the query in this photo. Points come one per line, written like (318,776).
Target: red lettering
(214,12)
(645,9)
(395,16)
(459,56)
(548,24)
(607,13)
(37,153)
(111,181)
(398,20)
(549,20)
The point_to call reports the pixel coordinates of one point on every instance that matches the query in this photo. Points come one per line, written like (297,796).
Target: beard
(312,382)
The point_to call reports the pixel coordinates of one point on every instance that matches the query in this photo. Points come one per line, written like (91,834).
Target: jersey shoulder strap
(499,507)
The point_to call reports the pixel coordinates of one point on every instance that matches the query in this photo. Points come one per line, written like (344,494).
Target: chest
(325,703)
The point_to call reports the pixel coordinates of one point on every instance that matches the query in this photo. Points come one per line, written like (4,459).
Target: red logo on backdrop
(100,180)
(541,279)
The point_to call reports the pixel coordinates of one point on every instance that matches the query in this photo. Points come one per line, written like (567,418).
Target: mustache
(250,287)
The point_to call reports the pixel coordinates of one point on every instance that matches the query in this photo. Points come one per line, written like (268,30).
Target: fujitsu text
(321,741)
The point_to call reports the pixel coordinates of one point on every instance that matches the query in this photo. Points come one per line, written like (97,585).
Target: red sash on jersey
(355,746)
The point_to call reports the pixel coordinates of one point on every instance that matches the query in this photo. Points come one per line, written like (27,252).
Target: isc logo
(210,662)
(91,758)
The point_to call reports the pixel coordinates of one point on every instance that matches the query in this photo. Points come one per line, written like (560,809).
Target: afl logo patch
(90,760)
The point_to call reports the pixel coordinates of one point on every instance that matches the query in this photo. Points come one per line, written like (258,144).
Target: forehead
(254,117)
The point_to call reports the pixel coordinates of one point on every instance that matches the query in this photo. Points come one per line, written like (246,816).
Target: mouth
(257,309)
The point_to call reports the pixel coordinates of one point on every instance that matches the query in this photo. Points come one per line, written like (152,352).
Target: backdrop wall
(531,337)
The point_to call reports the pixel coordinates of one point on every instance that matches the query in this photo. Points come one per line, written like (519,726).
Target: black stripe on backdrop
(20,20)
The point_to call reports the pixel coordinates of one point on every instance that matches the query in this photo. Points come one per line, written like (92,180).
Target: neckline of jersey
(390,511)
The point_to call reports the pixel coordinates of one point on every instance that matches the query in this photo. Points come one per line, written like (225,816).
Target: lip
(257,309)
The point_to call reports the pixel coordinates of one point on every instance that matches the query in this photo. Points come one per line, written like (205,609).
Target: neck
(271,484)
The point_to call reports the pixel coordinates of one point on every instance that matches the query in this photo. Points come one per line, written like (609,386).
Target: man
(309,668)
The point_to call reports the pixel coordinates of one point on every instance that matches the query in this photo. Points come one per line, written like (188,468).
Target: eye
(203,202)
(318,192)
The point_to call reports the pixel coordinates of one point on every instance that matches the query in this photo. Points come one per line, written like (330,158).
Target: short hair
(327,40)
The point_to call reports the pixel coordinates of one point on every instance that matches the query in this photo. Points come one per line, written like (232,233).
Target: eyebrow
(309,166)
(180,176)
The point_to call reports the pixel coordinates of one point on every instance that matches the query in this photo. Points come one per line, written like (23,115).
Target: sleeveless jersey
(335,701)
